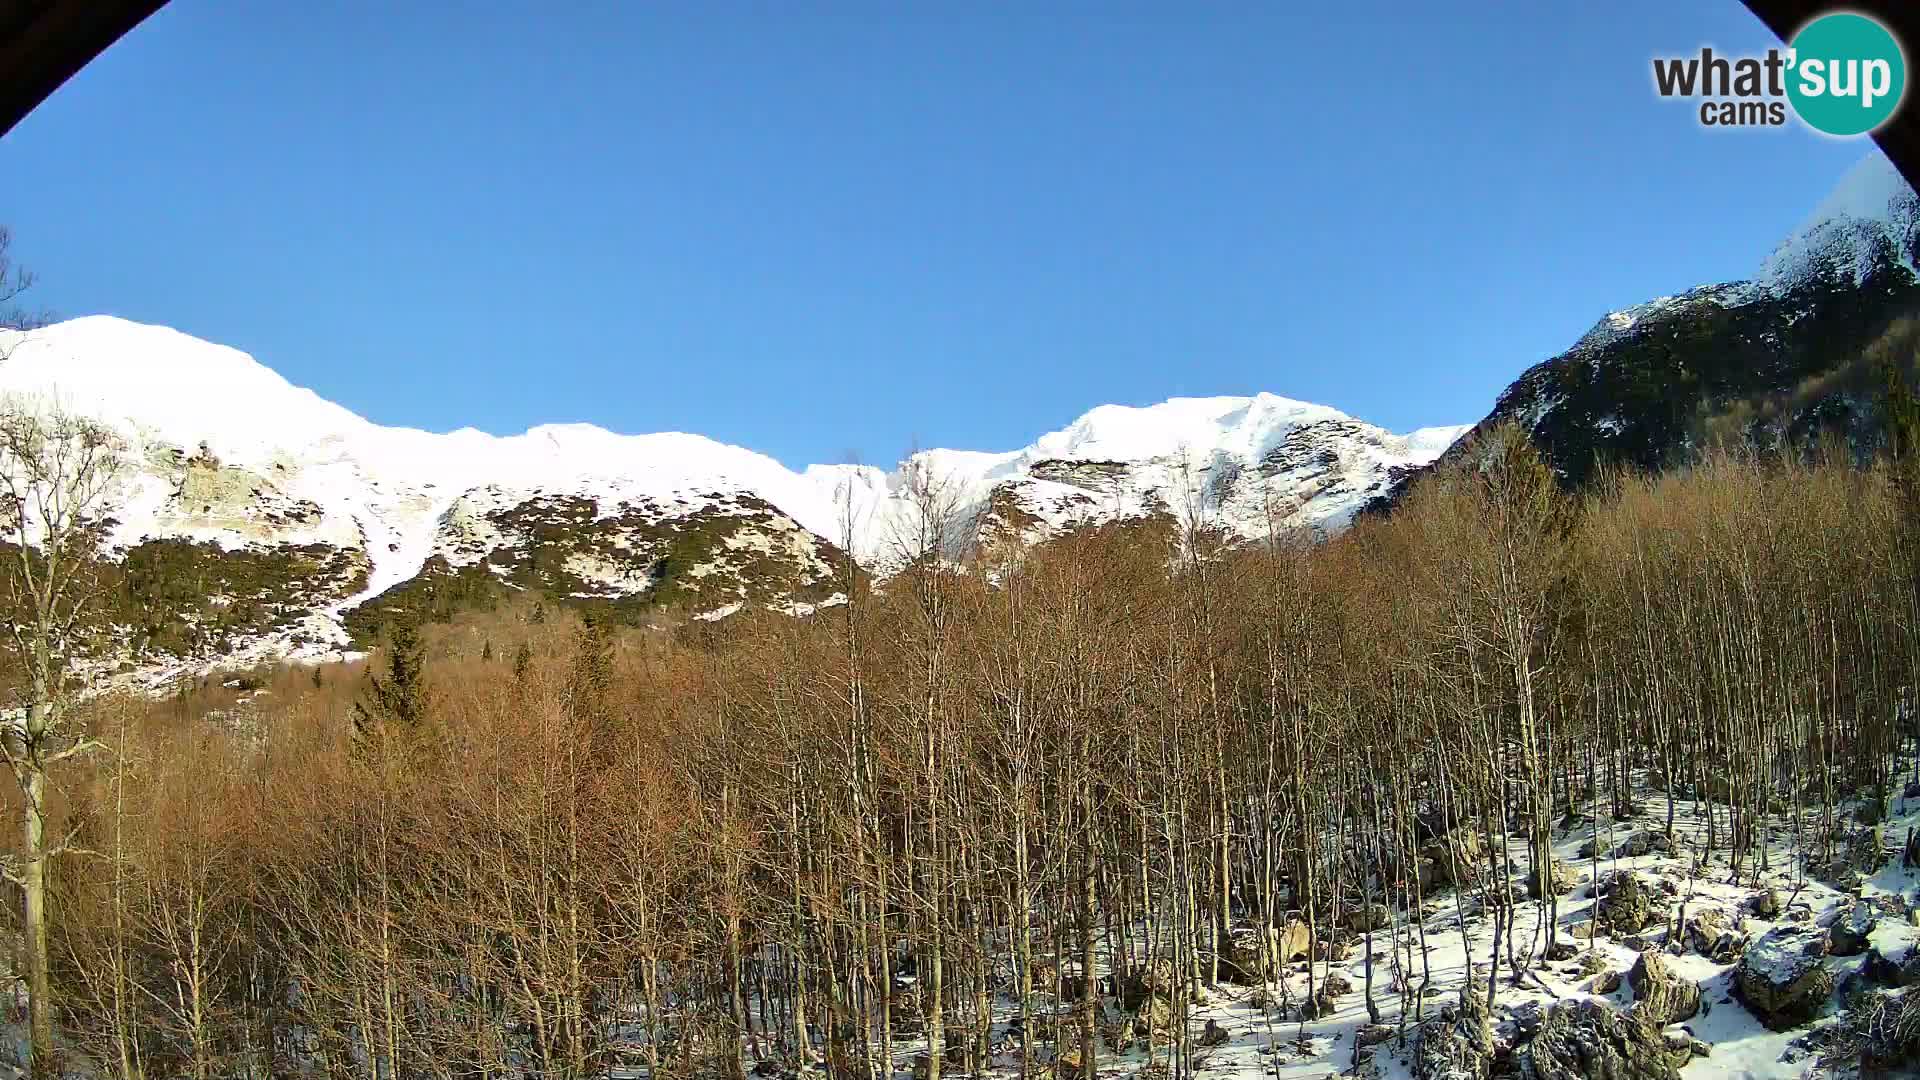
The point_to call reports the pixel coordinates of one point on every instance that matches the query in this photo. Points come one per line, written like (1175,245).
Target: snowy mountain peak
(580,511)
(1870,218)
(1869,221)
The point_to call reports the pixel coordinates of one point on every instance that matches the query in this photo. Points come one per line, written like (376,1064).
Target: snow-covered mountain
(234,462)
(1773,359)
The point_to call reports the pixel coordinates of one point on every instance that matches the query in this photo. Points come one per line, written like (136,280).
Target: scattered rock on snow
(1368,918)
(1641,843)
(1713,933)
(1661,995)
(1560,880)
(1457,1044)
(1625,906)
(1851,930)
(1582,1039)
(1782,979)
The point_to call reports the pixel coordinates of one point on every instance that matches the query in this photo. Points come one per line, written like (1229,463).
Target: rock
(1782,979)
(1372,1034)
(1295,942)
(1625,906)
(1335,984)
(1213,1034)
(1642,843)
(1605,982)
(1560,880)
(1852,929)
(1069,1055)
(1333,948)
(1458,1044)
(1157,1016)
(1894,958)
(1582,1039)
(1368,918)
(1146,981)
(1766,904)
(1455,857)
(1241,963)
(1561,951)
(1660,994)
(1712,933)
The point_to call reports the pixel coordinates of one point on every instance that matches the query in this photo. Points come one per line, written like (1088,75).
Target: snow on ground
(1275,1042)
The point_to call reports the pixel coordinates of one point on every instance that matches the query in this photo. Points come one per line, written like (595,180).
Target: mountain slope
(236,466)
(1769,360)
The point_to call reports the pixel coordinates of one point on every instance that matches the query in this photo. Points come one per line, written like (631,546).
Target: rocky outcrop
(1580,1040)
(1783,979)
(1458,1044)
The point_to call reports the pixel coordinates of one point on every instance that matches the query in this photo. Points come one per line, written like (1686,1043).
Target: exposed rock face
(1458,1044)
(1765,360)
(1782,979)
(1589,1040)
(1661,995)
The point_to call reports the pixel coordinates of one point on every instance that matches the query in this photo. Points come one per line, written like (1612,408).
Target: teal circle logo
(1847,75)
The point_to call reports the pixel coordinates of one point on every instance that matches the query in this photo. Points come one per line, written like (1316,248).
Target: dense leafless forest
(1053,787)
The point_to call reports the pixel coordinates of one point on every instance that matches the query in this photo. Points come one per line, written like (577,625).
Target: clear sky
(825,229)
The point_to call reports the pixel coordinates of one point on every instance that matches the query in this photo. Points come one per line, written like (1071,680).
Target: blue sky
(830,229)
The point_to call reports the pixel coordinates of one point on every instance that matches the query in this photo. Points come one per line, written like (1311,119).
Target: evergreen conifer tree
(396,702)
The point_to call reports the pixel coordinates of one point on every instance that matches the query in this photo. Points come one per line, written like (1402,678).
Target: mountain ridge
(230,455)
(1648,386)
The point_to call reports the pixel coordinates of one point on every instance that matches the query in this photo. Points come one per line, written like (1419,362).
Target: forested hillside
(1136,800)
